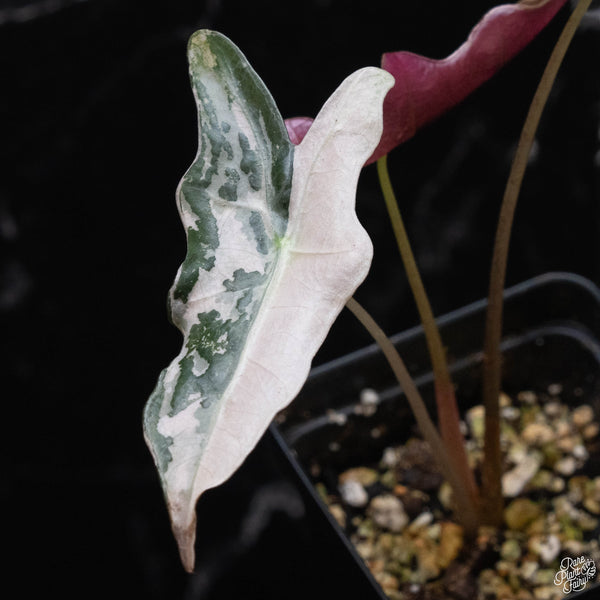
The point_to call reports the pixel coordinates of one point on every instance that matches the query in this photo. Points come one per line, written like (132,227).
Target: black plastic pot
(552,335)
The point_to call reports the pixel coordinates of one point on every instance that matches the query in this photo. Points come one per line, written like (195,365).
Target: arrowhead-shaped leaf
(426,88)
(274,252)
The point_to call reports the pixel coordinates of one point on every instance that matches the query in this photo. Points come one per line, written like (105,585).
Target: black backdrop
(98,125)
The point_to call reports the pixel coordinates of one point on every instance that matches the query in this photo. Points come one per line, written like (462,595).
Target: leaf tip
(184,530)
(199,48)
(186,552)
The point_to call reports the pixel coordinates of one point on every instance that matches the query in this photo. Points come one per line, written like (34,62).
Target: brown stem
(466,508)
(492,502)
(447,409)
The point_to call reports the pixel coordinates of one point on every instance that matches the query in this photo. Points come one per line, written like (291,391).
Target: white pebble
(337,417)
(566,466)
(516,479)
(424,519)
(583,415)
(537,434)
(528,569)
(510,413)
(369,396)
(369,399)
(389,459)
(387,511)
(590,431)
(353,493)
(527,397)
(562,429)
(549,548)
(553,409)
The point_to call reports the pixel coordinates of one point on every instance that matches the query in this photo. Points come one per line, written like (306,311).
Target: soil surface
(399,512)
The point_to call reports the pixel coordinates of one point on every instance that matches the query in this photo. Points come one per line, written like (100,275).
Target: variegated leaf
(274,252)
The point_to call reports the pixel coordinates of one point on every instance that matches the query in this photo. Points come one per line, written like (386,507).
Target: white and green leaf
(274,252)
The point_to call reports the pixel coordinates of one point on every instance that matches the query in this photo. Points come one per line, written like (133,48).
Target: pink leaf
(426,88)
(297,128)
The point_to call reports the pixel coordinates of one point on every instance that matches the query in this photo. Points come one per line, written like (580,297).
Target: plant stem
(447,409)
(466,508)
(492,505)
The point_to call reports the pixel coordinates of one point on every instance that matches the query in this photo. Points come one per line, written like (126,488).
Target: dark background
(97,127)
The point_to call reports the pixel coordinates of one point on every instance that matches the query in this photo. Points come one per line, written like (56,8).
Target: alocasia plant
(274,246)
(274,252)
